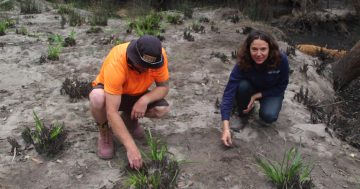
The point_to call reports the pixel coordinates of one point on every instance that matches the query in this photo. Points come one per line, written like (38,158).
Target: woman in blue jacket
(261,73)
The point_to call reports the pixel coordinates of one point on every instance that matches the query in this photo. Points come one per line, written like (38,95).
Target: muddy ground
(192,130)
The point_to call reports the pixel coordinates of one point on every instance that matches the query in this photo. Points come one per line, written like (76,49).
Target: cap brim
(134,57)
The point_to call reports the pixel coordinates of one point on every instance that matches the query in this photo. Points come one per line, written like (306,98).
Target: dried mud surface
(192,129)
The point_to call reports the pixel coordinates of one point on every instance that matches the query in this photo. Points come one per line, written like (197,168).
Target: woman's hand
(226,135)
(253,98)
(226,138)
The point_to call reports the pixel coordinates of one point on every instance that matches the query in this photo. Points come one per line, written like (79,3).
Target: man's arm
(120,130)
(159,92)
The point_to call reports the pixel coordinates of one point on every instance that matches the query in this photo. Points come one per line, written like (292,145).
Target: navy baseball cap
(146,51)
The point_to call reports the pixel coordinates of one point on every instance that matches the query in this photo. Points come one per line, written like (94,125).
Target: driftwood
(347,69)
(314,50)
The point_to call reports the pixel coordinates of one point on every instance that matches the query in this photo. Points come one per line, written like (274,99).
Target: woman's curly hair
(244,59)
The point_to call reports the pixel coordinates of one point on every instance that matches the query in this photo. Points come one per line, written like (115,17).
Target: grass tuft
(99,17)
(174,19)
(159,172)
(291,172)
(30,7)
(55,47)
(70,40)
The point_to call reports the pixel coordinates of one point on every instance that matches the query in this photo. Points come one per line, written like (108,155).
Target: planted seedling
(70,40)
(188,36)
(220,56)
(291,172)
(47,140)
(159,171)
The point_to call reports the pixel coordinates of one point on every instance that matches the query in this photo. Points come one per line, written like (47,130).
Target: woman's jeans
(269,106)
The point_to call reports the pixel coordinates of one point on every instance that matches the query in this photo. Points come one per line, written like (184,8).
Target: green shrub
(149,24)
(30,7)
(48,141)
(75,19)
(6,5)
(2,28)
(99,17)
(291,172)
(174,19)
(22,31)
(65,9)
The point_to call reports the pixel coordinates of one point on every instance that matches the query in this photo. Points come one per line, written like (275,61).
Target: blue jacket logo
(274,72)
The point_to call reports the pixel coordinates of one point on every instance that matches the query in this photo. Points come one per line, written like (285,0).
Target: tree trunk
(347,68)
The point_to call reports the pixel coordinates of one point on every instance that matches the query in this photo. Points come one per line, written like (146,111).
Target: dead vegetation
(75,89)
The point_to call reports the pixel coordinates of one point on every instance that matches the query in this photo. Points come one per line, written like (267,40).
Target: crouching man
(123,85)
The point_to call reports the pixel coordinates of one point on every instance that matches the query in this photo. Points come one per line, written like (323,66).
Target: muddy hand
(226,138)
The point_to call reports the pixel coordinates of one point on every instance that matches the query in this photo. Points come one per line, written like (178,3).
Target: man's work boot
(133,126)
(105,142)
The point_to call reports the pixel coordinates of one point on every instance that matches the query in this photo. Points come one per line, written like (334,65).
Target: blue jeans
(269,106)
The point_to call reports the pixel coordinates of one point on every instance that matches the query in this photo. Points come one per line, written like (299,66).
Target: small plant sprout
(291,172)
(70,40)
(56,39)
(198,28)
(204,20)
(220,56)
(188,36)
(55,47)
(22,31)
(53,52)
(233,54)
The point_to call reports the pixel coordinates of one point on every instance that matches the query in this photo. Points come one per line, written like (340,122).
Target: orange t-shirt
(118,78)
